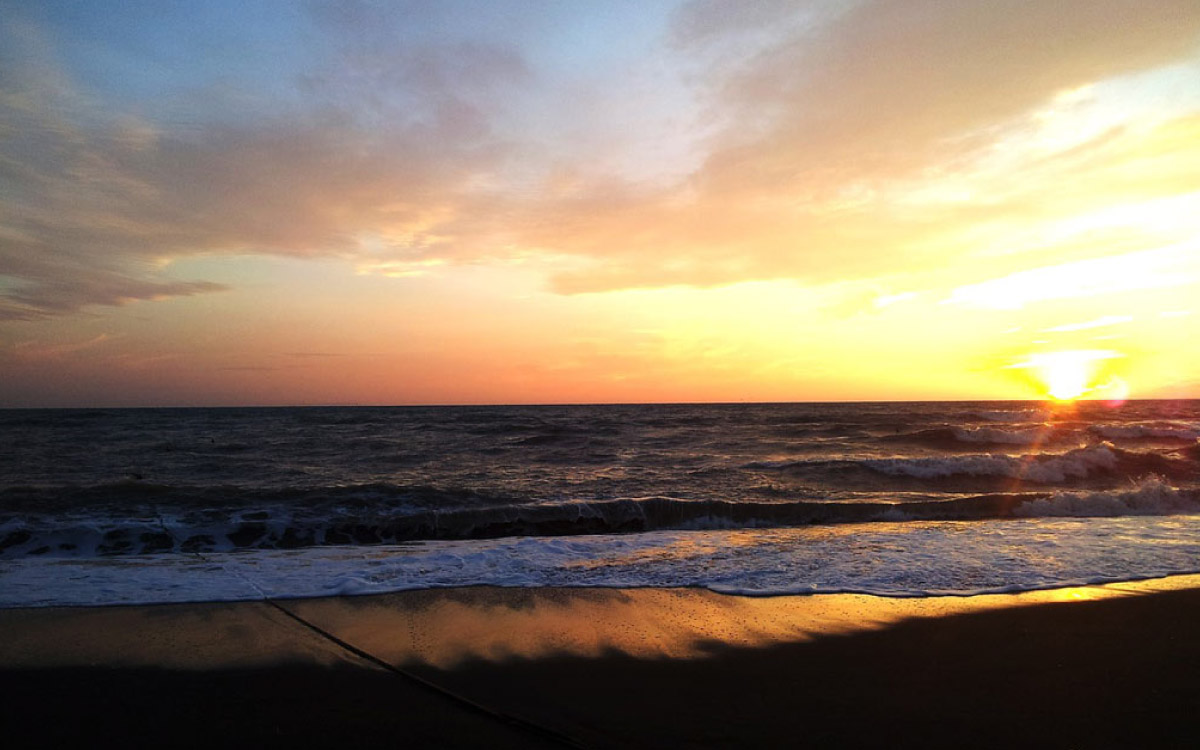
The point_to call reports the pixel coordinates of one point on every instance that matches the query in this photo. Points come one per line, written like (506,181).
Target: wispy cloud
(34,351)
(1107,320)
(1153,269)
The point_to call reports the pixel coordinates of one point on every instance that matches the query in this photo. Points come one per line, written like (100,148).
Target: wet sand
(1111,666)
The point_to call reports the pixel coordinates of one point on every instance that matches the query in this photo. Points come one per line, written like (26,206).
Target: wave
(1038,468)
(134,494)
(281,528)
(1095,462)
(966,438)
(1171,432)
(1006,415)
(951,438)
(1150,497)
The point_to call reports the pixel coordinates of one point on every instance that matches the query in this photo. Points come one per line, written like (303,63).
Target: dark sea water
(101,506)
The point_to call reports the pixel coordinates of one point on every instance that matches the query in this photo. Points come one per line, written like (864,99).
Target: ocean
(123,506)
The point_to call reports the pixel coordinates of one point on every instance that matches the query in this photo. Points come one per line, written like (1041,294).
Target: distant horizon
(531,404)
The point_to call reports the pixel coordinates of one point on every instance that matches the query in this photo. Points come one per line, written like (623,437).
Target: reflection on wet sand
(444,628)
(615,668)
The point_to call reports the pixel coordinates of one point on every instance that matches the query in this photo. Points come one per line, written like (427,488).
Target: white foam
(900,559)
(1152,496)
(1048,469)
(1135,431)
(1027,436)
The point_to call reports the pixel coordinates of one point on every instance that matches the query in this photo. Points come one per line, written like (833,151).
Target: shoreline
(1098,666)
(1155,582)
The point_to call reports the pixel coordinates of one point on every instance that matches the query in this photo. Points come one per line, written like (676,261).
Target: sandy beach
(1097,666)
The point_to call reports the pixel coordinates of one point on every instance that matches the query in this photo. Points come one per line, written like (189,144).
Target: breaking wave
(970,438)
(1172,432)
(1002,470)
(282,528)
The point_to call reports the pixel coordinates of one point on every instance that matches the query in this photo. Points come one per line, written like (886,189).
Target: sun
(1068,375)
(1066,379)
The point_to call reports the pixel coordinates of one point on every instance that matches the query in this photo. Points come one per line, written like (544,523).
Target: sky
(445,202)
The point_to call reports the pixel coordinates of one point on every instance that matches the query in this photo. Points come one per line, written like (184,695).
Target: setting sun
(1068,375)
(1066,378)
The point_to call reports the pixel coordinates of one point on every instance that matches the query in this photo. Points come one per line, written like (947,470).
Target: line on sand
(467,703)
(515,722)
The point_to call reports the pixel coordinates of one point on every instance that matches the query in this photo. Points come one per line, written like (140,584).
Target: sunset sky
(541,202)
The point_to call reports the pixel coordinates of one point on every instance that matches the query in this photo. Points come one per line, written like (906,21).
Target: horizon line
(547,404)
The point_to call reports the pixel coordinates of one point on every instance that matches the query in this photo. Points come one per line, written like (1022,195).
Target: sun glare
(1068,375)
(1066,378)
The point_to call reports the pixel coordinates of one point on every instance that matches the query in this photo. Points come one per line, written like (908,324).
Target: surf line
(507,719)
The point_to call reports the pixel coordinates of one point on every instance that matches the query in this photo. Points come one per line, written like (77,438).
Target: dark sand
(1115,666)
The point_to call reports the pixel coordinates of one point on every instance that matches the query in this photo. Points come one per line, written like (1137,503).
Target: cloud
(833,135)
(97,203)
(886,82)
(32,351)
(1107,320)
(1161,268)
(70,290)
(840,120)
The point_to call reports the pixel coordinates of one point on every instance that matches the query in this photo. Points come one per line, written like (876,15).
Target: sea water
(900,499)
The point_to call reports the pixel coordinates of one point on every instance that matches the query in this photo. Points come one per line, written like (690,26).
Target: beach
(1094,666)
(672,374)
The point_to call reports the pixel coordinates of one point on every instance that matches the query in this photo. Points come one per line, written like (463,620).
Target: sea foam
(907,559)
